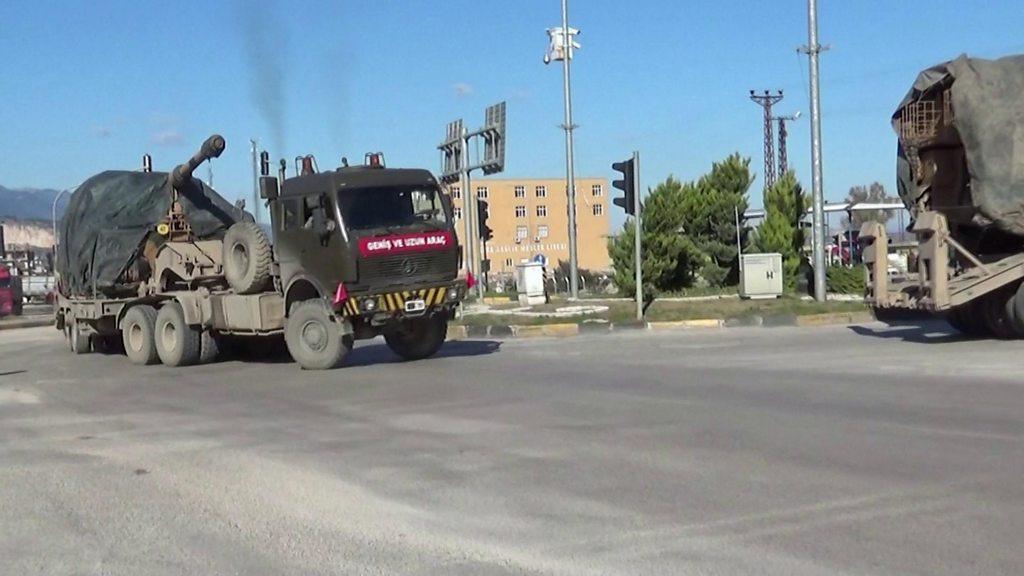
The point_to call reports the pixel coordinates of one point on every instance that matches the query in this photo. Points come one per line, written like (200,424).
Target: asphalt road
(742,451)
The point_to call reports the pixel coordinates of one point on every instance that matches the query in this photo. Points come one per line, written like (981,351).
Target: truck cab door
(310,242)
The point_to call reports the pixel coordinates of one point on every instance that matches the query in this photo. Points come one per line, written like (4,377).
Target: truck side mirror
(269,188)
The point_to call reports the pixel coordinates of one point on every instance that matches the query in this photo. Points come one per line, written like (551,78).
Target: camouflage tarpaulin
(983,100)
(111,215)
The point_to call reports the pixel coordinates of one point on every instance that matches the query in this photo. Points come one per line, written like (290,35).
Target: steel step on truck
(160,265)
(960,167)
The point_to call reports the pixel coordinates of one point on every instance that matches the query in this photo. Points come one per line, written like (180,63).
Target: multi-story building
(530,217)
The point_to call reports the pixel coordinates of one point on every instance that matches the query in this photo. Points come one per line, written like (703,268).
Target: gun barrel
(211,148)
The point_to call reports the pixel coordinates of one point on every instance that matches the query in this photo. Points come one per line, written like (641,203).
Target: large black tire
(418,338)
(968,319)
(315,337)
(79,339)
(247,256)
(177,343)
(138,334)
(993,311)
(209,347)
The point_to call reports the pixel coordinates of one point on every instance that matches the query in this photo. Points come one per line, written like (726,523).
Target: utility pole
(813,50)
(562,48)
(766,101)
(255,179)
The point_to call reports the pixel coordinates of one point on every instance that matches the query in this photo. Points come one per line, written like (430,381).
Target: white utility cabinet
(530,282)
(761,275)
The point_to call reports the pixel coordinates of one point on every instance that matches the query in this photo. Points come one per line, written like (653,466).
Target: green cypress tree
(670,259)
(785,205)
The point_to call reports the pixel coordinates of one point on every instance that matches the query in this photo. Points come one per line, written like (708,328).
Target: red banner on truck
(405,243)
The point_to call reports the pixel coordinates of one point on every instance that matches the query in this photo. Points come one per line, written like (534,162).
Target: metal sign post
(639,224)
(456,167)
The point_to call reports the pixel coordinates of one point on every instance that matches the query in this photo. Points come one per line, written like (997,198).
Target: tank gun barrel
(212,148)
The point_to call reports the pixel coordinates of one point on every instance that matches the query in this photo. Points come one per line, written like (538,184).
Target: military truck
(960,165)
(351,253)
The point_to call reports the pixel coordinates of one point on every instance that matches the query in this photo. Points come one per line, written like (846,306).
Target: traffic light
(628,201)
(482,212)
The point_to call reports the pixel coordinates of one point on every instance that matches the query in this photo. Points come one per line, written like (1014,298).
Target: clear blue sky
(86,86)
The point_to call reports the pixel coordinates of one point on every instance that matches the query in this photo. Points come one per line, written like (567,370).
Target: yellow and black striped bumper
(395,301)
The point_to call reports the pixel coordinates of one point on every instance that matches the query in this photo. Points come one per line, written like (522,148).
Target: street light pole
(813,50)
(570,175)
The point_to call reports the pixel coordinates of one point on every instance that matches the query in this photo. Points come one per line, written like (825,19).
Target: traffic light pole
(638,261)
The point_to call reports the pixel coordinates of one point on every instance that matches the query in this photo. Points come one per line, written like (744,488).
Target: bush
(843,280)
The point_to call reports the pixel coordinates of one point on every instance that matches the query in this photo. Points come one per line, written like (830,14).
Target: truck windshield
(371,208)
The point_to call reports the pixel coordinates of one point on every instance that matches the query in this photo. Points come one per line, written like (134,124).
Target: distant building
(530,217)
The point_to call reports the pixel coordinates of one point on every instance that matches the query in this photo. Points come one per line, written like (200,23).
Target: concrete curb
(459,332)
(25,323)
(687,324)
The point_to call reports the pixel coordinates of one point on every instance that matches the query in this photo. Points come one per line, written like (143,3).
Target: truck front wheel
(417,338)
(137,331)
(177,343)
(315,338)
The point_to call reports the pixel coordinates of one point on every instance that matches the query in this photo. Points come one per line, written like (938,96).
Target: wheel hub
(314,335)
(135,337)
(170,336)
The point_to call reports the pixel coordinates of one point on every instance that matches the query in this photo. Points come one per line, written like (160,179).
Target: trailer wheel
(417,338)
(246,256)
(968,320)
(137,331)
(79,340)
(315,338)
(993,310)
(177,343)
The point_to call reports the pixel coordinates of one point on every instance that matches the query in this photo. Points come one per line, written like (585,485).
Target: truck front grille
(408,268)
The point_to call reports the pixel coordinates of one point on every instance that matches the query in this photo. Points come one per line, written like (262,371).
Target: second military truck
(163,266)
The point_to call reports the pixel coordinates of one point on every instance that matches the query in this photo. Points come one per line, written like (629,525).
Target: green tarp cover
(111,215)
(988,110)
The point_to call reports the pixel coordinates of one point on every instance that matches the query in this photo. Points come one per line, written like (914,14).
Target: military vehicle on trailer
(163,266)
(961,175)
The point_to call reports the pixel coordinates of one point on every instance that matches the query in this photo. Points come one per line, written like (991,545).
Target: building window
(456,192)
(457,213)
(508,262)
(520,191)
(481,192)
(542,211)
(520,211)
(542,191)
(542,231)
(522,232)
(598,209)
(596,190)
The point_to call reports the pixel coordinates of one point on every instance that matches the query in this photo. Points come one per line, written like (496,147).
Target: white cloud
(168,137)
(462,89)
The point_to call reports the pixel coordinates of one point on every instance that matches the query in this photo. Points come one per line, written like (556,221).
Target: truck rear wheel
(315,338)
(79,339)
(417,338)
(246,256)
(177,343)
(137,332)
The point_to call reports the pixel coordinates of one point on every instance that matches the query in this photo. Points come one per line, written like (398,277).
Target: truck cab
(376,245)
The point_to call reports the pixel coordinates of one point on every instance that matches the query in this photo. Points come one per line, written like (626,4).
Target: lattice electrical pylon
(766,101)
